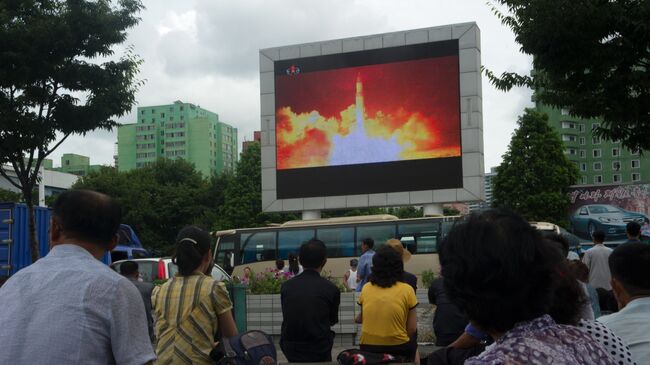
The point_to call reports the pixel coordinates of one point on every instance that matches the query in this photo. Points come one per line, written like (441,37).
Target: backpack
(250,348)
(358,357)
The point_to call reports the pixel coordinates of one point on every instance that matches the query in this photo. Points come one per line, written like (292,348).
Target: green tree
(49,85)
(8,196)
(159,199)
(590,57)
(535,175)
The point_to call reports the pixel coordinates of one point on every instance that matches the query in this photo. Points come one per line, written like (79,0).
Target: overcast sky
(206,52)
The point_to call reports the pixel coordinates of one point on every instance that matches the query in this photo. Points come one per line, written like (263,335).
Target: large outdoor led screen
(380,120)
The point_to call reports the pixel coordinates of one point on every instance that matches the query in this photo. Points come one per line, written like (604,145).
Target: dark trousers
(407,349)
(308,351)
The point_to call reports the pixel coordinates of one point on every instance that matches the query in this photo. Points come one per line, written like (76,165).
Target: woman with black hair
(499,270)
(388,316)
(294,266)
(192,306)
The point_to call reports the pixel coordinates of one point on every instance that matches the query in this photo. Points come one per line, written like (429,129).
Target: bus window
(418,228)
(258,247)
(225,251)
(379,233)
(409,243)
(427,244)
(290,241)
(446,227)
(339,241)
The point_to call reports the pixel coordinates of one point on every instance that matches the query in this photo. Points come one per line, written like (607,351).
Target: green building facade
(178,130)
(599,161)
(73,163)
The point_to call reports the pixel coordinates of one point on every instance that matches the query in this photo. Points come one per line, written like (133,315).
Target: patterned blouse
(542,341)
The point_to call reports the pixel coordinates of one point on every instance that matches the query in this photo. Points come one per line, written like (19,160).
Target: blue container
(15,252)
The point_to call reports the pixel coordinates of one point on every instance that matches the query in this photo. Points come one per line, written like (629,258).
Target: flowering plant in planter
(268,282)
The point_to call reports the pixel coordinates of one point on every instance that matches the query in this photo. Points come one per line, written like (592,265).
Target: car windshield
(599,209)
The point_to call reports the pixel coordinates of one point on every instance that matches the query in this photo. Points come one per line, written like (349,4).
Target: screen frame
(468,38)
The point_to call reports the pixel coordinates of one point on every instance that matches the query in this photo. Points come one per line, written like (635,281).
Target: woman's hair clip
(189,240)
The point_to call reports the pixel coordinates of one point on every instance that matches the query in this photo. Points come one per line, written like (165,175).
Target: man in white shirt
(69,307)
(596,260)
(630,267)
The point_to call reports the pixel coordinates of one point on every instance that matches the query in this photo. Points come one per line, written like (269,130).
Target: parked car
(162,268)
(575,243)
(608,218)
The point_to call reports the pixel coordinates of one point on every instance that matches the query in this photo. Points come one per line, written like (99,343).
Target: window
(583,154)
(258,247)
(420,237)
(379,233)
(636,176)
(564,111)
(616,178)
(582,141)
(583,167)
(568,125)
(598,179)
(634,153)
(581,127)
(571,151)
(568,138)
(595,140)
(162,115)
(598,166)
(290,241)
(597,153)
(636,164)
(583,180)
(339,241)
(595,126)
(141,112)
(616,152)
(616,165)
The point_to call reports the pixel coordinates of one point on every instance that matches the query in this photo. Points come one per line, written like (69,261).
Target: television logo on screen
(293,70)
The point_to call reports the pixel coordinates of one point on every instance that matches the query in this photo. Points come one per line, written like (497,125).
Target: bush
(268,282)
(427,278)
(328,275)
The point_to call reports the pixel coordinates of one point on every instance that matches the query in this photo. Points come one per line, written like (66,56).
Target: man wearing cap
(350,277)
(408,278)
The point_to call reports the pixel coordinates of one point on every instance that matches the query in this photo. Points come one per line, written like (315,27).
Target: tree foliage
(590,57)
(535,174)
(50,86)
(8,196)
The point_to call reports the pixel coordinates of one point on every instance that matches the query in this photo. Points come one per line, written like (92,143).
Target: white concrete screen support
(433,210)
(471,121)
(310,215)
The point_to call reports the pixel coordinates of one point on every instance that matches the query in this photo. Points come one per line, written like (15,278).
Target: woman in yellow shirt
(190,307)
(388,316)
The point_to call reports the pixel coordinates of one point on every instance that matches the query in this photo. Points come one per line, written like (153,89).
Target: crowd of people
(506,294)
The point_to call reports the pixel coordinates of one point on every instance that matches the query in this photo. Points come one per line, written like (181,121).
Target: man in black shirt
(448,321)
(310,306)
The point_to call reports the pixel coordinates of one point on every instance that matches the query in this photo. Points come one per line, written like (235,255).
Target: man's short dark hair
(313,254)
(630,265)
(129,268)
(369,242)
(633,229)
(88,216)
(599,236)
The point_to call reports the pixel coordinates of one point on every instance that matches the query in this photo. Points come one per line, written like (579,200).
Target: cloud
(206,52)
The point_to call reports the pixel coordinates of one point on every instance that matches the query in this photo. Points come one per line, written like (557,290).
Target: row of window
(145,146)
(145,155)
(597,152)
(175,153)
(175,125)
(175,144)
(616,178)
(145,128)
(579,126)
(153,111)
(143,164)
(174,134)
(145,137)
(616,165)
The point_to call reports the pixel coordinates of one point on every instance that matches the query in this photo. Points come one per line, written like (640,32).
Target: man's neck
(95,250)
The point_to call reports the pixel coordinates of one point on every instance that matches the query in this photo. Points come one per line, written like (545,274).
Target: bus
(259,248)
